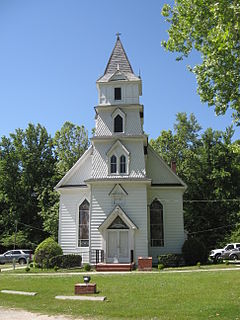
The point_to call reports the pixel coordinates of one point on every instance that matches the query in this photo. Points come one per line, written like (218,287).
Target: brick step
(114,267)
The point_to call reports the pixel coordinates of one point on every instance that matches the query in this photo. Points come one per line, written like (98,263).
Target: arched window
(83,233)
(156,224)
(113,164)
(122,164)
(118,124)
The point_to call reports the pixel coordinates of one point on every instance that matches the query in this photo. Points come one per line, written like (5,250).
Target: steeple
(118,59)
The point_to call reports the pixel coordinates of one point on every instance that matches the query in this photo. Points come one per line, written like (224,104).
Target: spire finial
(118,35)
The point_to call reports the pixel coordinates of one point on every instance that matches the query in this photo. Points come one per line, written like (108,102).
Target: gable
(118,146)
(118,76)
(80,172)
(159,172)
(118,216)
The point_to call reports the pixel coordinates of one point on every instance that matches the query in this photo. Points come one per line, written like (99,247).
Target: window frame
(117,94)
(115,124)
(80,241)
(113,164)
(156,242)
(124,164)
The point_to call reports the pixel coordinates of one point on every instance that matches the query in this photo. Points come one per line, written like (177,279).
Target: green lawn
(157,295)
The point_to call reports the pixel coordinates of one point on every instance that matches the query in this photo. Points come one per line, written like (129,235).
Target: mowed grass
(203,295)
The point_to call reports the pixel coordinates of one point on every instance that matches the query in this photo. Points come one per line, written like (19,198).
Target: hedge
(171,260)
(66,261)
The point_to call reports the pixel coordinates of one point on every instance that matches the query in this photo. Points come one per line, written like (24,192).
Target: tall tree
(27,165)
(71,141)
(211,28)
(209,166)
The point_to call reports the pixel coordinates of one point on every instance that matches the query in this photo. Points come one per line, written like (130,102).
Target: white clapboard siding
(68,221)
(134,206)
(130,94)
(171,200)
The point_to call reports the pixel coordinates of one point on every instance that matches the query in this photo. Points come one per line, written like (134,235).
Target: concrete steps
(114,267)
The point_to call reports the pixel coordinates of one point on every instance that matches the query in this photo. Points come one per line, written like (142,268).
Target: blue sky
(53,51)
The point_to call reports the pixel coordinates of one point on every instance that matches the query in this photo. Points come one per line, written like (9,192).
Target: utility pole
(15,235)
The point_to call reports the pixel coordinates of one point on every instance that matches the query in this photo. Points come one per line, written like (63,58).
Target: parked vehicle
(20,256)
(216,253)
(233,254)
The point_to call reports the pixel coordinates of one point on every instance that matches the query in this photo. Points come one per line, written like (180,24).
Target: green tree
(71,141)
(27,165)
(209,166)
(211,28)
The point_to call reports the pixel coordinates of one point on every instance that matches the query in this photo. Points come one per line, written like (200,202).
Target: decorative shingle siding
(82,173)
(100,161)
(104,123)
(158,171)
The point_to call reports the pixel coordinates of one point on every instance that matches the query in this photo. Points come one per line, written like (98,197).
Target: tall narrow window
(156,224)
(83,233)
(113,164)
(122,164)
(118,124)
(117,94)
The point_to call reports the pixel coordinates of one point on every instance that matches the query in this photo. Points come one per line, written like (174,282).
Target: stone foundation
(144,264)
(83,288)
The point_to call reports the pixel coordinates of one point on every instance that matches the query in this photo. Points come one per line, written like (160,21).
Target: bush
(87,267)
(194,251)
(160,266)
(45,251)
(27,269)
(65,261)
(171,260)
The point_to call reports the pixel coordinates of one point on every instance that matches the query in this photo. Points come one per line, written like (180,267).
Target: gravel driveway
(14,314)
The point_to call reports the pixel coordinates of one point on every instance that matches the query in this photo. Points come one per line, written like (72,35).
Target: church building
(120,200)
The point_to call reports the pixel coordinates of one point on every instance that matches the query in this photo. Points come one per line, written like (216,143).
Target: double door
(118,246)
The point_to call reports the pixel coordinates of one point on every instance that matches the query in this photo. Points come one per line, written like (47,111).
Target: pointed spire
(118,59)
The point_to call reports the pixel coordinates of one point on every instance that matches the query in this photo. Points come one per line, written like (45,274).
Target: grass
(157,295)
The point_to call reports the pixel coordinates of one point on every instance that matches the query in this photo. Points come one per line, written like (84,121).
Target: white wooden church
(120,200)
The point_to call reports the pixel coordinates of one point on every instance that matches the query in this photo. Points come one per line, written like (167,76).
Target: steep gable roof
(159,172)
(72,175)
(118,60)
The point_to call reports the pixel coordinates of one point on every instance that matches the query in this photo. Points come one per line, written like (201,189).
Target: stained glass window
(156,224)
(83,233)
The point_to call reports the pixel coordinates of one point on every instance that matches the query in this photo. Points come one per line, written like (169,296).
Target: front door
(118,246)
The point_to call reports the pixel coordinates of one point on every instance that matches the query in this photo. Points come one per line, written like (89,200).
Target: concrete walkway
(63,274)
(16,314)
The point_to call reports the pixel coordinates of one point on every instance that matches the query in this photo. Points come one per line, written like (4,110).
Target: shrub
(45,251)
(27,269)
(160,266)
(65,261)
(55,268)
(171,260)
(194,251)
(87,267)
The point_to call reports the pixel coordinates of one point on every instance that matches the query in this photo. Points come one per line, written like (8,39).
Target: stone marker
(80,298)
(24,293)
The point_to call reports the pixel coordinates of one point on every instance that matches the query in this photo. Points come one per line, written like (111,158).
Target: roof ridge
(118,59)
